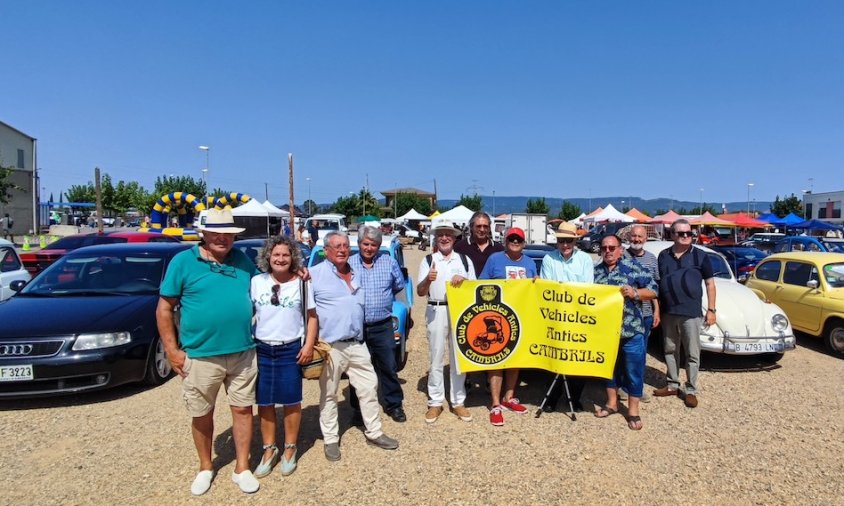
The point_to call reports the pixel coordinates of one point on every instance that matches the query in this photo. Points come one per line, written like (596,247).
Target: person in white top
(284,342)
(443,266)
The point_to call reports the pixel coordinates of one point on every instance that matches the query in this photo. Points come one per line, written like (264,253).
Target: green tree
(569,211)
(81,193)
(107,192)
(309,207)
(474,202)
(130,194)
(537,206)
(787,205)
(345,205)
(353,205)
(6,186)
(407,201)
(706,208)
(168,184)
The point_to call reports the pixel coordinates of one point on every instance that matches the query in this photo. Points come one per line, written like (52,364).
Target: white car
(11,269)
(745,323)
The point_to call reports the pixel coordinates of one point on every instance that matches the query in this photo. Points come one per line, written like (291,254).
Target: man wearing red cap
(508,264)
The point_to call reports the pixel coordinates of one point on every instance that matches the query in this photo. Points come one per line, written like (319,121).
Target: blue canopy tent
(791,220)
(817,225)
(771,218)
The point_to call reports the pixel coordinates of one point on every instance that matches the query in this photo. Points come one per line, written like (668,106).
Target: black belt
(437,303)
(350,339)
(379,322)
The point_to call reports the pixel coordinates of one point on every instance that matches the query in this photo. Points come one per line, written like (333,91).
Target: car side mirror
(17,285)
(812,283)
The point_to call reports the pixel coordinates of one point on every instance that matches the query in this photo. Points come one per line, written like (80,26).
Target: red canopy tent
(744,220)
(666,219)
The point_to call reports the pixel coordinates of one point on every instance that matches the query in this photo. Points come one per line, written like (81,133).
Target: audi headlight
(779,322)
(97,341)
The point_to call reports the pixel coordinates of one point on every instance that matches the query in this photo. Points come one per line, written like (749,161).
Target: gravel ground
(761,435)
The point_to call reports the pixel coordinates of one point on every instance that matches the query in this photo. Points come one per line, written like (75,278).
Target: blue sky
(561,99)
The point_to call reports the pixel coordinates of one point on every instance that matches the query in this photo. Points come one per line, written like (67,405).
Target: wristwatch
(710,309)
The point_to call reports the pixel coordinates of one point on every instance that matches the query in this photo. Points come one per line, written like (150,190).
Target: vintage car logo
(488,330)
(15,350)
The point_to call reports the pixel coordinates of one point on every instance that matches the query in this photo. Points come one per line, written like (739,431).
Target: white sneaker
(246,481)
(202,482)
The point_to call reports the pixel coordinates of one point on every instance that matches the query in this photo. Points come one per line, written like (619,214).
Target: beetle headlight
(97,341)
(779,322)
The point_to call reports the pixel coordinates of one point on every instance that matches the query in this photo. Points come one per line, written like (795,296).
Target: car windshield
(719,266)
(748,253)
(78,241)
(834,274)
(835,246)
(110,273)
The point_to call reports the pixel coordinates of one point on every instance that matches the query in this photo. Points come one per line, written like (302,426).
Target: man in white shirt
(437,269)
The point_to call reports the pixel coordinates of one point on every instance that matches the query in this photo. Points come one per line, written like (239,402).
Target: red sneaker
(496,417)
(514,406)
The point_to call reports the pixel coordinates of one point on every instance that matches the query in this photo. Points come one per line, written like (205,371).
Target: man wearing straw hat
(211,284)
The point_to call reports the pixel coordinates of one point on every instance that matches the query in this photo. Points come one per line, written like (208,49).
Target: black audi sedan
(87,322)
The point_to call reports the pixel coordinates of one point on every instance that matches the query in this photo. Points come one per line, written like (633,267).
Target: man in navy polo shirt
(682,268)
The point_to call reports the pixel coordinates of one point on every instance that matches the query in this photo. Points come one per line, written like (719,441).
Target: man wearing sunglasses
(211,284)
(567,265)
(508,264)
(637,286)
(682,270)
(479,245)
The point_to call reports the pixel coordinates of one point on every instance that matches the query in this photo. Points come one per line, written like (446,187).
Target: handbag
(322,350)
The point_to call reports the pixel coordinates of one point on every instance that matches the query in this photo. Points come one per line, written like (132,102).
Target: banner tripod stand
(548,394)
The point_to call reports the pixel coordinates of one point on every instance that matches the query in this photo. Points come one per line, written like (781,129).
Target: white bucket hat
(220,221)
(446,226)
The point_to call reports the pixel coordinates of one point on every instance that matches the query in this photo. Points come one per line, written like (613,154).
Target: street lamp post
(207,150)
(701,201)
(749,185)
(310,211)
(493,204)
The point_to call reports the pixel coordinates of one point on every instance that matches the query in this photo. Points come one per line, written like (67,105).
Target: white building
(18,151)
(824,206)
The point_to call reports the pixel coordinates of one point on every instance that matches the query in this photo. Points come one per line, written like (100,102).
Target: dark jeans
(381,343)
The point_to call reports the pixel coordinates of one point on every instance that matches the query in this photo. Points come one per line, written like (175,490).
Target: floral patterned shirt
(628,272)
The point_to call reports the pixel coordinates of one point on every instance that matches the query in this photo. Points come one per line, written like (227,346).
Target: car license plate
(766,347)
(16,373)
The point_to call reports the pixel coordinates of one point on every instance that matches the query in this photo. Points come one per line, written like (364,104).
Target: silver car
(11,269)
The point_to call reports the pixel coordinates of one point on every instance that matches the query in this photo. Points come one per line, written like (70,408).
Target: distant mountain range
(649,206)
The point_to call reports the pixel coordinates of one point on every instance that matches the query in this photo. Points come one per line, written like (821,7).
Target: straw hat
(567,229)
(220,221)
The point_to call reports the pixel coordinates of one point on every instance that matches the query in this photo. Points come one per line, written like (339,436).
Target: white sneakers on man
(202,482)
(246,481)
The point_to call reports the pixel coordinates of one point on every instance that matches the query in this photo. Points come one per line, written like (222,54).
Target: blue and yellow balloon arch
(188,207)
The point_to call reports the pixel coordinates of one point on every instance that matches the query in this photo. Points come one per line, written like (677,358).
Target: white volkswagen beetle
(745,324)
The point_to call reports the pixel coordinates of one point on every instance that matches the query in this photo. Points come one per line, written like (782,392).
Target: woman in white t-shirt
(283,343)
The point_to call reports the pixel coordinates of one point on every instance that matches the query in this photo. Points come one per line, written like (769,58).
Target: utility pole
(290,183)
(266,191)
(99,193)
(365,193)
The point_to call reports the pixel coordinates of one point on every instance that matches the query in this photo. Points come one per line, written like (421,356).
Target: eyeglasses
(482,226)
(608,249)
(565,240)
(225,270)
(274,298)
(515,240)
(442,234)
(684,233)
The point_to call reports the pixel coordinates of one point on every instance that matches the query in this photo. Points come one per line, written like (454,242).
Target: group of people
(664,290)
(250,328)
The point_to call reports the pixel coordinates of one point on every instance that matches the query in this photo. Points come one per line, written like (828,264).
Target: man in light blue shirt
(339,301)
(567,265)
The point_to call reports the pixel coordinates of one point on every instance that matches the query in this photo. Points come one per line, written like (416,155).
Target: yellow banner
(567,328)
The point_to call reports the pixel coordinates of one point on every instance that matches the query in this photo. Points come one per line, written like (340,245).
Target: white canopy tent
(255,218)
(460,215)
(610,214)
(579,220)
(413,214)
(274,211)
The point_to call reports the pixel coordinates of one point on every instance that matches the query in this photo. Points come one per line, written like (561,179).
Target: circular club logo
(488,330)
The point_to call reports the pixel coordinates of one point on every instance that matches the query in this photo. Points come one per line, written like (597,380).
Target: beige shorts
(237,371)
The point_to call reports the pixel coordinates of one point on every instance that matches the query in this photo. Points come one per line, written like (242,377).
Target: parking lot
(763,434)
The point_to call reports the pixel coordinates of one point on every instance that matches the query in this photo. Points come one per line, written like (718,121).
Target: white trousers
(352,358)
(439,340)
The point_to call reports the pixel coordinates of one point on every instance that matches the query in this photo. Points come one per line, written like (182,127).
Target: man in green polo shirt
(211,284)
